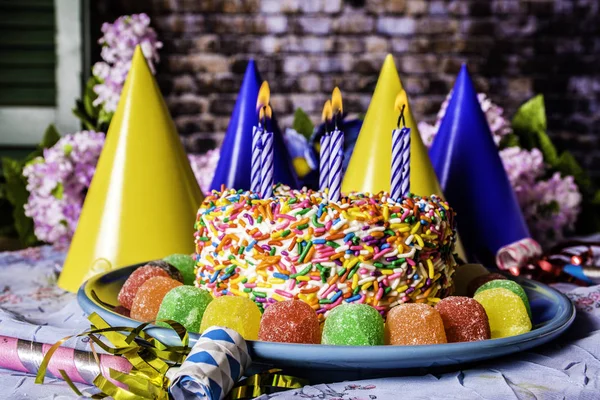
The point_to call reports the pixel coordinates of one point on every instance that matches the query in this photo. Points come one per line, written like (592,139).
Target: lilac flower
(550,206)
(204,166)
(118,44)
(499,125)
(57,185)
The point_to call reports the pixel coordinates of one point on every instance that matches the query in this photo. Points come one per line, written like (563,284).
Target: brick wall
(514,48)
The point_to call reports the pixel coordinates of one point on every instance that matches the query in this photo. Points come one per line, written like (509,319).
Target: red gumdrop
(290,322)
(148,298)
(480,280)
(464,319)
(135,281)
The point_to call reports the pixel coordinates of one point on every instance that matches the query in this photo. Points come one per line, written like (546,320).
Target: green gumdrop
(510,285)
(186,305)
(506,312)
(353,325)
(185,264)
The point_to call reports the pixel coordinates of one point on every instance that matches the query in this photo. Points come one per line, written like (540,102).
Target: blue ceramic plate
(552,314)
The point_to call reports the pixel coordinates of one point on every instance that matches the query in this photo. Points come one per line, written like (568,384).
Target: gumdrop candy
(506,312)
(238,313)
(185,264)
(169,269)
(149,296)
(510,285)
(186,305)
(353,325)
(291,321)
(414,323)
(464,319)
(464,274)
(135,281)
(477,282)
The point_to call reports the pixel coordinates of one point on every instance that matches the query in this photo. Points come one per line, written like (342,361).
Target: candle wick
(401,117)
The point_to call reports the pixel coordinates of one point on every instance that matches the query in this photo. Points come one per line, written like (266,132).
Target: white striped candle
(266,175)
(325,154)
(255,170)
(400,174)
(336,158)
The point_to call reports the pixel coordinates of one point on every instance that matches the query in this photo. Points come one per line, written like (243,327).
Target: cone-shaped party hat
(470,170)
(143,199)
(233,169)
(369,169)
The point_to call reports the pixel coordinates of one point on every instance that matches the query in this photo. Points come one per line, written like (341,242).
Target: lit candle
(400,174)
(261,137)
(325,150)
(336,145)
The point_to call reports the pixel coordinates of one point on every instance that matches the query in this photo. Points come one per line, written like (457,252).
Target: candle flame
(336,101)
(399,102)
(264,95)
(265,111)
(327,112)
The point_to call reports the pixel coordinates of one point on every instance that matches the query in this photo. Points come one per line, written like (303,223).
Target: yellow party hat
(143,199)
(369,169)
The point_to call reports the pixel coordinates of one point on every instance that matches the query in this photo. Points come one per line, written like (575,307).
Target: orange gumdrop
(149,296)
(414,323)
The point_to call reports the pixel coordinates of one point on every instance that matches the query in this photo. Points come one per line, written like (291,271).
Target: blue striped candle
(336,159)
(266,173)
(400,174)
(255,170)
(324,165)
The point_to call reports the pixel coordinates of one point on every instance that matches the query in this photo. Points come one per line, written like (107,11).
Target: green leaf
(51,136)
(510,140)
(58,191)
(89,96)
(17,194)
(83,117)
(566,164)
(529,121)
(103,122)
(302,123)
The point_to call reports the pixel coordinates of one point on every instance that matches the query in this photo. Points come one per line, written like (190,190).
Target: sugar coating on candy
(366,248)
(464,319)
(170,269)
(186,305)
(353,325)
(238,313)
(510,285)
(290,321)
(413,324)
(186,266)
(506,312)
(135,281)
(477,282)
(464,274)
(149,296)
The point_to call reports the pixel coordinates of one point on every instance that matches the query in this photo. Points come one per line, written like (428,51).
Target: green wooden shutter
(27,53)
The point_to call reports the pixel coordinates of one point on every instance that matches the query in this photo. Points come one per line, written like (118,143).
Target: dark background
(514,49)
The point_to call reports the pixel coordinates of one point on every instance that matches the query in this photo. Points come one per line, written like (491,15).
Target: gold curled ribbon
(150,359)
(267,382)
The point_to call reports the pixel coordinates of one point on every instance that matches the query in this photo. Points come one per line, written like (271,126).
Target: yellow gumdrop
(238,313)
(506,312)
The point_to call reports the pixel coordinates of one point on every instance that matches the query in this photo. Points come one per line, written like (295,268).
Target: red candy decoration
(290,322)
(135,281)
(464,319)
(480,280)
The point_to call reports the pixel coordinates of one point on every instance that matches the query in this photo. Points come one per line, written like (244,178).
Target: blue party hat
(470,171)
(233,169)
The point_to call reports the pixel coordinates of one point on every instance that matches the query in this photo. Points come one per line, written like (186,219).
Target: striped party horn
(516,255)
(80,366)
(215,363)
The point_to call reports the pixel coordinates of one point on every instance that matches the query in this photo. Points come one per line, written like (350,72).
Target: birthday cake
(366,248)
